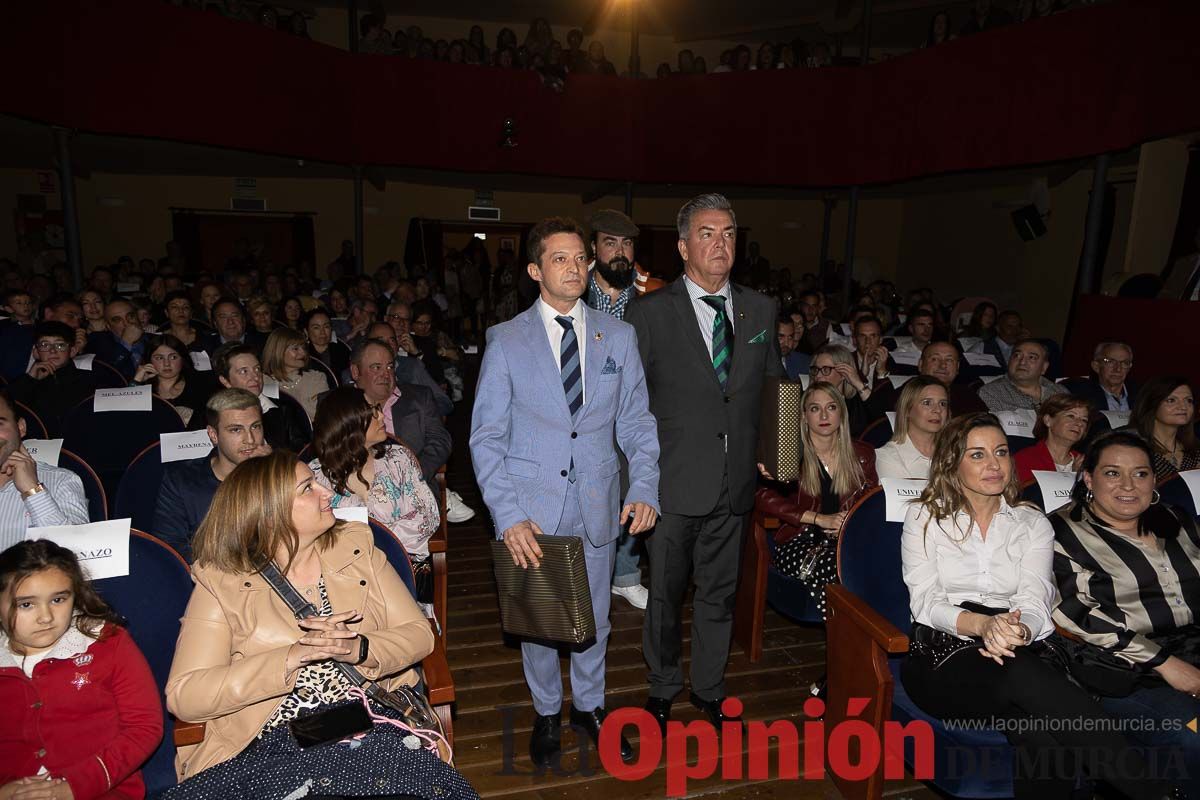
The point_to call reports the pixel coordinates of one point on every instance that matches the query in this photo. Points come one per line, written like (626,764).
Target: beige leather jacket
(229,669)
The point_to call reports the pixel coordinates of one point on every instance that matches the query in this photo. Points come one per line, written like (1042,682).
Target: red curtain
(1072,85)
(1161,333)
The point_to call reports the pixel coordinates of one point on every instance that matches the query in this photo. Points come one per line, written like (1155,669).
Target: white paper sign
(1056,488)
(899,492)
(968,342)
(84,361)
(352,514)
(184,446)
(891,417)
(128,287)
(470,350)
(981,359)
(900,380)
(201,361)
(903,342)
(44,451)
(805,381)
(127,398)
(1117,419)
(1018,423)
(101,547)
(270,387)
(964,319)
(909,358)
(990,378)
(837,338)
(1192,478)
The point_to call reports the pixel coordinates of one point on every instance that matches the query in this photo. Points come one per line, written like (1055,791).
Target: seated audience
(1164,415)
(317,326)
(982,324)
(794,362)
(237,367)
(170,371)
(179,320)
(1061,425)
(229,323)
(96,716)
(285,359)
(834,472)
(123,345)
(32,494)
(1023,387)
(941,360)
(93,311)
(1108,387)
(813,329)
(262,315)
(362,315)
(870,356)
(408,369)
(235,428)
(921,412)
(1126,570)
(291,312)
(978,569)
(18,306)
(1009,330)
(66,309)
(919,327)
(53,385)
(356,460)
(209,293)
(834,364)
(245,665)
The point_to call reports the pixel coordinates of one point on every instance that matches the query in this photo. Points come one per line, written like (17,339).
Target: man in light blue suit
(559,384)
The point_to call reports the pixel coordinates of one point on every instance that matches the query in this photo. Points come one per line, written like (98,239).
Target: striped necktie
(572,375)
(722,339)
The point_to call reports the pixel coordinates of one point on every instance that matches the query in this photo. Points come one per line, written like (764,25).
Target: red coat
(790,511)
(92,717)
(1036,456)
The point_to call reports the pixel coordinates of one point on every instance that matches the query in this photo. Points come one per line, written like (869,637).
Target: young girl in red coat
(81,710)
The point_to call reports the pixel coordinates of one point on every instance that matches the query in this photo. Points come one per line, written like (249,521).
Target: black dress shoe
(660,709)
(591,721)
(545,742)
(712,710)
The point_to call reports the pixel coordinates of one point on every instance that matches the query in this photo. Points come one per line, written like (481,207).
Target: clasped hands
(1002,634)
(524,548)
(325,639)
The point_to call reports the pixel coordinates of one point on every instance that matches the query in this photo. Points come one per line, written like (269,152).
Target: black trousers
(709,549)
(1028,690)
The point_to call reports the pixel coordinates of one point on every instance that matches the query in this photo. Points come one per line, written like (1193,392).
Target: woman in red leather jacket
(834,472)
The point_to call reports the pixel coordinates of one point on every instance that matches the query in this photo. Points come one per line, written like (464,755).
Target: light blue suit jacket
(523,439)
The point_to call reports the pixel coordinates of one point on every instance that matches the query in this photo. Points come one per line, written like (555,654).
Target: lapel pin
(741,315)
(599,336)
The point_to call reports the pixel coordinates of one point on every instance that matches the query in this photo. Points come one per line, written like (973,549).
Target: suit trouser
(708,547)
(627,571)
(540,661)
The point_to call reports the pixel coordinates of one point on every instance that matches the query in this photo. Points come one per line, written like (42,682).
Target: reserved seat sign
(101,547)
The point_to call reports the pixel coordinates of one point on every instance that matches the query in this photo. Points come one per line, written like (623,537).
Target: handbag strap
(302,608)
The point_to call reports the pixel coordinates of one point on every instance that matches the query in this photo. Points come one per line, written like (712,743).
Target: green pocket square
(759,338)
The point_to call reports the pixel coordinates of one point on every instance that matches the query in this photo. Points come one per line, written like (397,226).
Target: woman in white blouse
(978,569)
(921,413)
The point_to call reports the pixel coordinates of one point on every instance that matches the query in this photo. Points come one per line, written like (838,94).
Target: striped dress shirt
(63,503)
(1116,592)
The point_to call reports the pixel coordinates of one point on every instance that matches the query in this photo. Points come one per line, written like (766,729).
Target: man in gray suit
(707,346)
(560,388)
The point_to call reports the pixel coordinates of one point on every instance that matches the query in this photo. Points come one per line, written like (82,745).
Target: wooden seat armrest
(770,523)
(188,733)
(437,542)
(852,609)
(438,682)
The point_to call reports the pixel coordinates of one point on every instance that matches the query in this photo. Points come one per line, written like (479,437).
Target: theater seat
(106,376)
(34,427)
(314,363)
(93,489)
(878,433)
(867,643)
(1175,492)
(1031,492)
(137,491)
(152,599)
(108,441)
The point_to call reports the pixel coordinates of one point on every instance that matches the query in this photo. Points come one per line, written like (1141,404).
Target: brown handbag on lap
(551,601)
(779,428)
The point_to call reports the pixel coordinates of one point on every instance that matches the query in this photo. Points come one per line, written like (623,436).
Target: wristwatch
(37,489)
(364,647)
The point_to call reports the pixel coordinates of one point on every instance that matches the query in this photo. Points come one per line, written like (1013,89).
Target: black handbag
(407,701)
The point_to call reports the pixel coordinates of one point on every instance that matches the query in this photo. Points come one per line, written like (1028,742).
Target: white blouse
(1011,569)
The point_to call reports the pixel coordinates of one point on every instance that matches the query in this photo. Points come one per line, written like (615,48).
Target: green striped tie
(722,339)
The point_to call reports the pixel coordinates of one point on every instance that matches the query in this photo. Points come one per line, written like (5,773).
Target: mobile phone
(331,725)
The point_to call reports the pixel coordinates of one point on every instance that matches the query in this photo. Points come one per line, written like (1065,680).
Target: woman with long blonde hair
(921,412)
(834,472)
(977,564)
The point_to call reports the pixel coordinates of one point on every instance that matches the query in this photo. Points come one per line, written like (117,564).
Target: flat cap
(608,220)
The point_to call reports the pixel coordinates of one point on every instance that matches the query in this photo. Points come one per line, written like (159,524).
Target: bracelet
(38,488)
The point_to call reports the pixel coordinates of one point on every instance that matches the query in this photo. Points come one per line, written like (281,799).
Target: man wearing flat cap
(611,287)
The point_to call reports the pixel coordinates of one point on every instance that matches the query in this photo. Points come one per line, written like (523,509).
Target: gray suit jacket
(417,423)
(696,420)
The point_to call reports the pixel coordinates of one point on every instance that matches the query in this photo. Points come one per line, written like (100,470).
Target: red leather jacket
(789,512)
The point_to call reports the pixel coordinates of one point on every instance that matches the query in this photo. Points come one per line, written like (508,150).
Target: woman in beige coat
(246,667)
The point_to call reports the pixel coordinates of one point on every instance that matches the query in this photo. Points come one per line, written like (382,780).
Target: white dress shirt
(901,461)
(554,332)
(1010,569)
(705,314)
(63,503)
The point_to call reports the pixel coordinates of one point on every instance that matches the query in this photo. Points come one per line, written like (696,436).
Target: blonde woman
(834,471)
(921,413)
(977,564)
(285,356)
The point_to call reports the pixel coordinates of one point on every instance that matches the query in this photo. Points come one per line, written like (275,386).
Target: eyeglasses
(823,370)
(1123,364)
(56,347)
(397,317)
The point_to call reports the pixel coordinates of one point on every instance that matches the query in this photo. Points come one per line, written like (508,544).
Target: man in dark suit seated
(941,360)
(284,425)
(1108,388)
(408,370)
(874,362)
(235,427)
(229,319)
(1010,329)
(53,385)
(123,345)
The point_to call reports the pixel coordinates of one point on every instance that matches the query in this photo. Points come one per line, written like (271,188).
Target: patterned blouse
(399,498)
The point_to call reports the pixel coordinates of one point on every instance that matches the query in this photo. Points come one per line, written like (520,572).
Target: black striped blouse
(1115,591)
